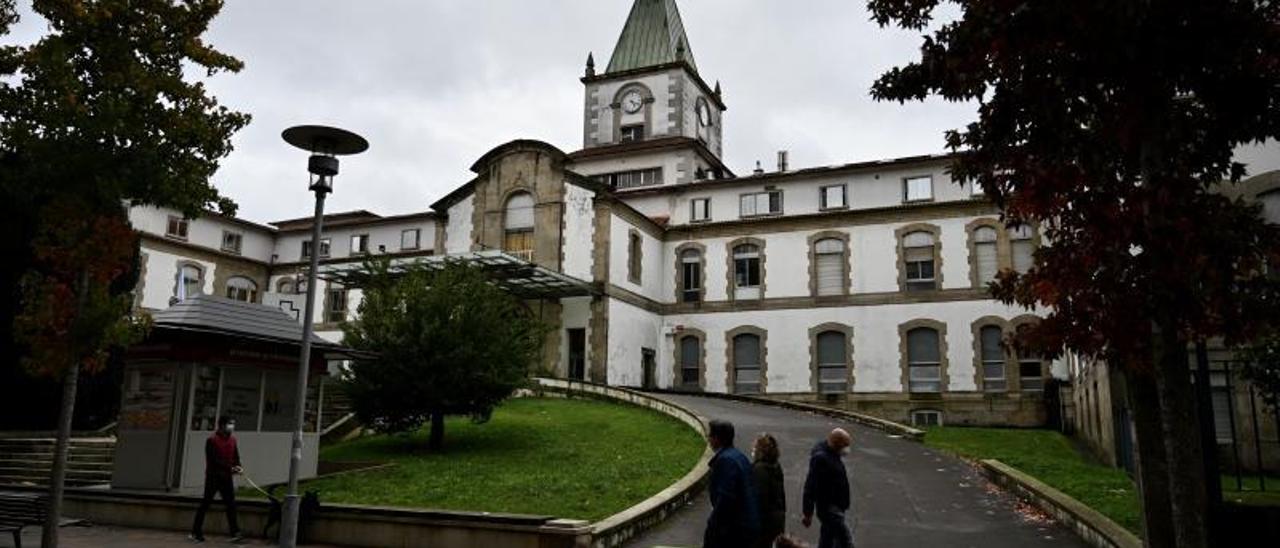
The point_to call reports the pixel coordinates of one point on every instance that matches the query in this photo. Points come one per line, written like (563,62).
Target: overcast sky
(433,85)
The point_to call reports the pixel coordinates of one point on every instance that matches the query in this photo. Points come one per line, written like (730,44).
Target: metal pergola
(510,273)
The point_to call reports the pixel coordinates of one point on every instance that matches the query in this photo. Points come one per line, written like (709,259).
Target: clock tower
(651,97)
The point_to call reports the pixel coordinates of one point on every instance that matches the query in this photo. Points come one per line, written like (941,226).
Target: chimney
(782,161)
(759,170)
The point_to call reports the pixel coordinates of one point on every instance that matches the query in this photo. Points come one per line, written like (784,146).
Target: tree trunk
(1153,470)
(436,439)
(49,536)
(1188,500)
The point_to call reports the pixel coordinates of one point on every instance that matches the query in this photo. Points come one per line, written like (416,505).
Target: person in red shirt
(222,461)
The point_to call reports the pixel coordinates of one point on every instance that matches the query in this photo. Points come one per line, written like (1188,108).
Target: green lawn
(1051,458)
(580,459)
(1251,492)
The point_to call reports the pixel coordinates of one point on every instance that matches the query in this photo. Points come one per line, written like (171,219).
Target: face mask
(229,427)
(844,451)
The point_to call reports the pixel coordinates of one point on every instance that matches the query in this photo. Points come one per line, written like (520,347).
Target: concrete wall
(653,271)
(458,236)
(631,330)
(579,226)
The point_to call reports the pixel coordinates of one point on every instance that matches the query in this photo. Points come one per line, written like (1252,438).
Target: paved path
(905,495)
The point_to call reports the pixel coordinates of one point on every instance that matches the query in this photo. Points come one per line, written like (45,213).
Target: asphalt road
(905,495)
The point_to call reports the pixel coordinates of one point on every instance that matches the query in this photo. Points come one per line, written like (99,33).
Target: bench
(19,510)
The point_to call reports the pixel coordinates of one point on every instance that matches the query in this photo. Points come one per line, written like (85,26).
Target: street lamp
(325,144)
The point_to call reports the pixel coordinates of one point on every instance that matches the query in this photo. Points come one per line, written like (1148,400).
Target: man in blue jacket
(734,521)
(826,490)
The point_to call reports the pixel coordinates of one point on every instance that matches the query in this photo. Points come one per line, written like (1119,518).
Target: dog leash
(254,485)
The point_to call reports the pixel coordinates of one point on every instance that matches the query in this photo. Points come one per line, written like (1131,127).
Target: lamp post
(325,144)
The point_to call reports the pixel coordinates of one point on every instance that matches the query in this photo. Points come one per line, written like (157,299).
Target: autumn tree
(95,116)
(1111,125)
(447,342)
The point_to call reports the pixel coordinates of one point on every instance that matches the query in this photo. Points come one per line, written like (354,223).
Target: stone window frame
(293,285)
(1010,363)
(702,270)
(1004,256)
(819,329)
(635,257)
(177,276)
(505,199)
(1015,374)
(646,110)
(846,283)
(677,371)
(729,369)
(899,234)
(731,285)
(943,349)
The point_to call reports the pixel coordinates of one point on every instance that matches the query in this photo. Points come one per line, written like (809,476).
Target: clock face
(704,112)
(632,101)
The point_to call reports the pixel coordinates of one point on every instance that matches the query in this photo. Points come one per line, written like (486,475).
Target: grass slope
(566,458)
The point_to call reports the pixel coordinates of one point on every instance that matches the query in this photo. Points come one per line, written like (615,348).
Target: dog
(307,510)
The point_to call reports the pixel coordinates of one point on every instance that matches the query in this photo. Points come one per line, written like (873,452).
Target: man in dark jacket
(734,521)
(826,490)
(222,461)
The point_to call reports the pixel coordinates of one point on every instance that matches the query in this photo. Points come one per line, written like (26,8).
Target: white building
(860,285)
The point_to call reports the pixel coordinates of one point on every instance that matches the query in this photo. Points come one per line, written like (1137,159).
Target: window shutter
(1022,255)
(830,274)
(987,260)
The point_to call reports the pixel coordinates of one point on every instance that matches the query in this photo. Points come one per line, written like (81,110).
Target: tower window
(631,134)
(632,179)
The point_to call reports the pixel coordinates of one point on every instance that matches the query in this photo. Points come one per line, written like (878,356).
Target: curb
(617,529)
(1094,528)
(898,429)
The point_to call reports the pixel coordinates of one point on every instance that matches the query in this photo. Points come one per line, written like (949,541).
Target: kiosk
(208,356)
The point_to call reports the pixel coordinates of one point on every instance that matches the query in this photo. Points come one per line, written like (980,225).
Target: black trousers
(225,488)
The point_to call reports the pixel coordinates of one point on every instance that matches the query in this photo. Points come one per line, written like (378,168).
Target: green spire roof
(654,35)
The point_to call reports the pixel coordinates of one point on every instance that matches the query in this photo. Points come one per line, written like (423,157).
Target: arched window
(746,271)
(924,360)
(1271,206)
(829,261)
(833,362)
(993,373)
(518,226)
(691,276)
(918,254)
(746,364)
(285,286)
(241,288)
(690,358)
(986,259)
(1022,246)
(190,281)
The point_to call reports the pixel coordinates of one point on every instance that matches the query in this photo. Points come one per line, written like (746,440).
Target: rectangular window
(241,394)
(176,228)
(633,258)
(834,197)
(690,356)
(924,361)
(761,203)
(409,239)
(987,261)
(993,378)
(279,402)
(920,271)
(324,248)
(360,244)
(700,209)
(917,189)
(231,241)
(631,134)
(336,311)
(632,179)
(1031,374)
(924,419)
(691,292)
